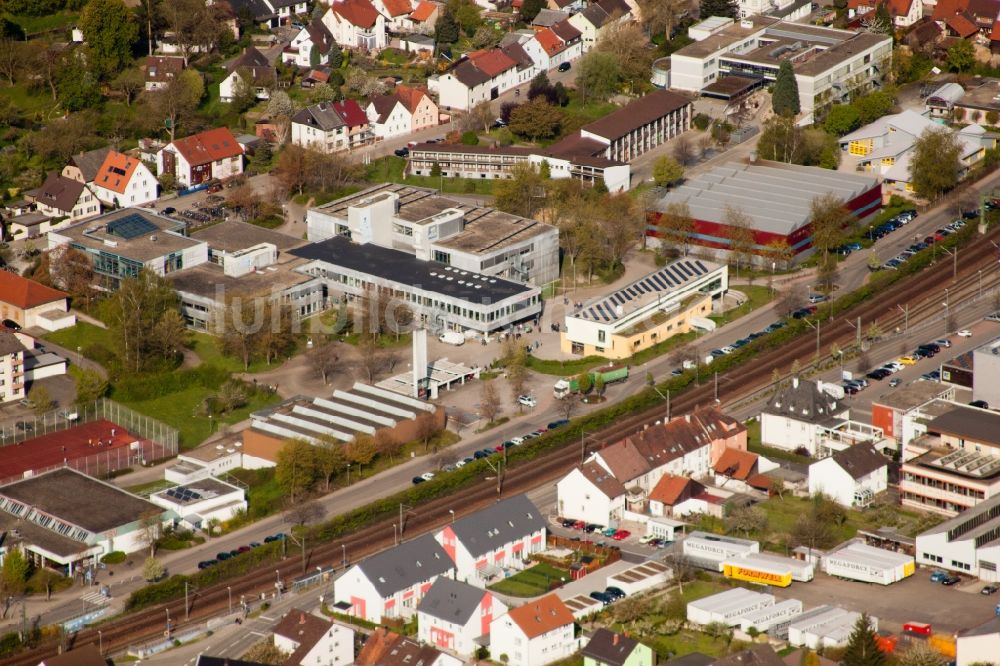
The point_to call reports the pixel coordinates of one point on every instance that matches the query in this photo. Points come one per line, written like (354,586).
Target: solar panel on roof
(700,265)
(684,269)
(131,226)
(658,279)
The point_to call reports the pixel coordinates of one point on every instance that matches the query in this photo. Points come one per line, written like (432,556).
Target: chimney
(302,618)
(795,382)
(614,639)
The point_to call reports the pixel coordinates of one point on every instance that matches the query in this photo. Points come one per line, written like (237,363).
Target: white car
(518,441)
(965,333)
(427,476)
(943,342)
(527,400)
(646,538)
(895,366)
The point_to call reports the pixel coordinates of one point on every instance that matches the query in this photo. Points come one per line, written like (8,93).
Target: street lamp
(230,590)
(395,534)
(452,512)
(348,473)
(100,642)
(343,548)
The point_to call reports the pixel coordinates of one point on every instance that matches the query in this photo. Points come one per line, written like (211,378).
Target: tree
(361,450)
(374,359)
(777,487)
(675,225)
(827,273)
(46,578)
(193,24)
(519,193)
(177,102)
(666,171)
(516,362)
(325,360)
(747,519)
(232,395)
(921,654)
(425,426)
(13,57)
(292,169)
(599,384)
(330,459)
(295,470)
(842,118)
(280,110)
(862,645)
(873,106)
(585,382)
(627,43)
(265,652)
(683,149)
(536,120)
(13,577)
(77,87)
(530,9)
(244,90)
(598,75)
(110,31)
(42,398)
(961,56)
(304,513)
(936,163)
(790,300)
(486,36)
(662,16)
(150,529)
(129,83)
(741,236)
(152,570)
(490,406)
(446,30)
(829,217)
(785,93)
(718,8)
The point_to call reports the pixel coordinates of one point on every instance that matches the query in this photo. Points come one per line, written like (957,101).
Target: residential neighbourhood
(419,333)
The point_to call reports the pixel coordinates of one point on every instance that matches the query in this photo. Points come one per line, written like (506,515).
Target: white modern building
(309,640)
(669,301)
(969,543)
(852,477)
(196,504)
(986,366)
(453,615)
(537,633)
(12,371)
(830,65)
(978,645)
(392,583)
(710,551)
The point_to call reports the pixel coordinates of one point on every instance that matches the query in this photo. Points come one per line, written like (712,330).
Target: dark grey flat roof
(968,423)
(498,525)
(405,269)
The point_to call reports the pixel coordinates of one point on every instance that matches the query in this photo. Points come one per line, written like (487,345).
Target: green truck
(610,375)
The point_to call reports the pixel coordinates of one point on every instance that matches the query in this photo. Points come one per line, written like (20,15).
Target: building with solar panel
(194,504)
(122,242)
(669,301)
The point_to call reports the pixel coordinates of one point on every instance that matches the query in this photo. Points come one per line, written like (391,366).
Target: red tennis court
(94,448)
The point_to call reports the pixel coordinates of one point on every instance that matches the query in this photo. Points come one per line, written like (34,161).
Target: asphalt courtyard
(915,599)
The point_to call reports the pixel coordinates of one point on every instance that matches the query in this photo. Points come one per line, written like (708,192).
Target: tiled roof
(9,344)
(320,35)
(208,146)
(469,75)
(384,104)
(351,112)
(410,97)
(541,616)
(85,655)
(613,7)
(397,7)
(566,31)
(672,489)
(359,13)
(604,480)
(802,400)
(423,11)
(305,629)
(161,69)
(251,57)
(492,62)
(405,565)
(609,648)
(962,25)
(549,41)
(452,601)
(636,114)
(595,14)
(736,464)
(859,460)
(945,8)
(116,172)
(89,162)
(386,648)
(498,524)
(24,293)
(624,461)
(58,192)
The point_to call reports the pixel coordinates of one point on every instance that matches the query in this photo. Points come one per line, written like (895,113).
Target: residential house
(537,633)
(482,76)
(11,367)
(30,304)
(452,615)
(958,17)
(546,18)
(886,146)
(124,181)
(396,13)
(904,13)
(670,492)
(610,648)
(311,47)
(392,583)
(313,641)
(387,648)
(686,446)
(331,127)
(269,13)
(501,536)
(852,477)
(404,111)
(160,70)
(941,102)
(423,18)
(65,198)
(195,159)
(356,24)
(758,655)
(742,471)
(83,167)
(793,417)
(551,47)
(596,19)
(250,68)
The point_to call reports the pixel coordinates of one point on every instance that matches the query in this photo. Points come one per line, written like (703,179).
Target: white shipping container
(868,564)
(768,619)
(716,549)
(801,570)
(727,607)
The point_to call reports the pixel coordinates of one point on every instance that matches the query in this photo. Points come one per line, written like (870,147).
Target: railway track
(922,290)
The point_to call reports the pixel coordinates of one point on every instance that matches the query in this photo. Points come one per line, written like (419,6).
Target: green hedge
(114,557)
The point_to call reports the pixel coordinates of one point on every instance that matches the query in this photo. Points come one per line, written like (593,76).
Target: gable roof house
(268,13)
(159,70)
(609,648)
(124,181)
(392,583)
(552,46)
(387,648)
(501,536)
(590,493)
(794,416)
(198,158)
(356,24)
(537,633)
(314,37)
(452,615)
(597,18)
(83,167)
(482,75)
(331,127)
(64,197)
(851,477)
(742,471)
(31,304)
(402,112)
(422,19)
(904,13)
(958,17)
(313,641)
(253,66)
(396,13)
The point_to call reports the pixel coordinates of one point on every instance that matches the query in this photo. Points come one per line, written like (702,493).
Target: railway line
(922,291)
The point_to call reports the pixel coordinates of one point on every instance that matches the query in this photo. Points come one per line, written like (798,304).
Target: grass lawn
(390,170)
(35,24)
(564,368)
(28,102)
(685,642)
(531,582)
(81,335)
(757,296)
(208,349)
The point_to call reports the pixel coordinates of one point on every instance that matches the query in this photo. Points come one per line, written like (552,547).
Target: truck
(610,375)
(452,338)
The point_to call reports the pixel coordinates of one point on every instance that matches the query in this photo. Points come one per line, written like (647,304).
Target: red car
(621,535)
(579,525)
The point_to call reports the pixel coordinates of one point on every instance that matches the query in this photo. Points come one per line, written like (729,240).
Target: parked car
(906,360)
(255,544)
(937,575)
(931,376)
(646,538)
(816,298)
(593,527)
(427,476)
(204,564)
(602,597)
(621,535)
(567,522)
(558,424)
(615,593)
(965,333)
(401,152)
(564,67)
(989,589)
(609,531)
(951,580)
(222,556)
(993,317)
(169,210)
(418,479)
(895,381)
(943,342)
(981,404)
(526,400)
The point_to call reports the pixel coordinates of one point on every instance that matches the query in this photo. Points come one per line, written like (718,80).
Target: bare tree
(425,426)
(681,566)
(791,299)
(13,57)
(374,360)
(304,513)
(490,406)
(150,526)
(567,406)
(325,360)
(741,236)
(683,149)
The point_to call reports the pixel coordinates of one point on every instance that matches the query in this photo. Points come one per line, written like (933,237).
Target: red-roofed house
(359,131)
(671,491)
(356,24)
(550,47)
(960,25)
(424,16)
(742,471)
(195,159)
(124,181)
(483,75)
(396,13)
(405,111)
(537,633)
(30,303)
(904,13)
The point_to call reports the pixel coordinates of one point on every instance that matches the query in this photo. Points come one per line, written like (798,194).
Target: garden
(536,581)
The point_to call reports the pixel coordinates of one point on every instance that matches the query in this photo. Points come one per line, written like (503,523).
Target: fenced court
(98,439)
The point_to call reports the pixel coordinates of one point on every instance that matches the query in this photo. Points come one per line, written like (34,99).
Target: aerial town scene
(500,332)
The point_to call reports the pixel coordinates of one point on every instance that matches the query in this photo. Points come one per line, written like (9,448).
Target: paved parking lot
(914,599)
